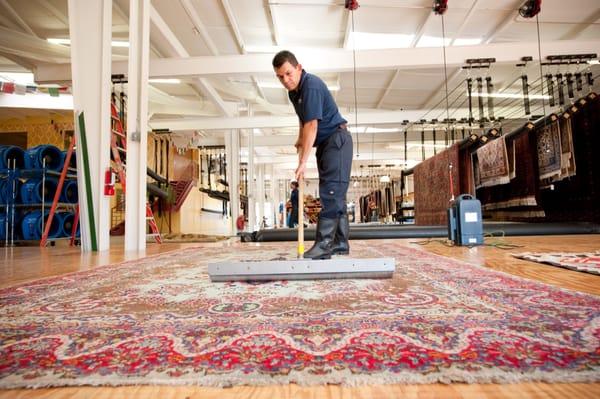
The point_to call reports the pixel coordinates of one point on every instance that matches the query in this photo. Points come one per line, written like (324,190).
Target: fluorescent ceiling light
(463,41)
(67,42)
(165,80)
(368,40)
(432,41)
(22,78)
(511,95)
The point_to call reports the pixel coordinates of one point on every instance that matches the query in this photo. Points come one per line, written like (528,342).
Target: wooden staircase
(181,189)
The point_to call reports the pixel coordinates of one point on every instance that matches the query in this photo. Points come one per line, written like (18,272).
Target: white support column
(272,194)
(232,148)
(260,182)
(251,183)
(282,198)
(137,125)
(90,32)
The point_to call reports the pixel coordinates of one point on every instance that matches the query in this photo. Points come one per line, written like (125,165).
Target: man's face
(289,76)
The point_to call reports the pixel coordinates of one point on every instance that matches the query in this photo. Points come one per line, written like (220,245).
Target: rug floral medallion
(160,320)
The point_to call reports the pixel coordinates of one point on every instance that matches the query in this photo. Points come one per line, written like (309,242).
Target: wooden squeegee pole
(300,217)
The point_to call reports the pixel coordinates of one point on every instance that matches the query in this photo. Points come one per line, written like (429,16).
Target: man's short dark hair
(283,56)
(295,184)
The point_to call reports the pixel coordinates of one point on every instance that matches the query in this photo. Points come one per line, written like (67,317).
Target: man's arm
(299,139)
(308,135)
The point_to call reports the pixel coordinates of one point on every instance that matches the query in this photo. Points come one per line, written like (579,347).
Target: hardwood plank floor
(18,265)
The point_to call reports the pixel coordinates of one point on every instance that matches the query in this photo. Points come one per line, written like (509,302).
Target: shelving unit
(13,179)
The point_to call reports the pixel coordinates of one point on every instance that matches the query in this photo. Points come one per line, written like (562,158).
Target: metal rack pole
(14,196)
(43,190)
(8,180)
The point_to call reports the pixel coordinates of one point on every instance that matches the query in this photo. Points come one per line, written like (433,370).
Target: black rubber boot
(324,239)
(340,242)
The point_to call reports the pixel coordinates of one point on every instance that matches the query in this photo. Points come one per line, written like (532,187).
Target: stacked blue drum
(28,183)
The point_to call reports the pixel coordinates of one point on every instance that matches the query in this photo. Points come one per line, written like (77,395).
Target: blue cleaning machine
(465,226)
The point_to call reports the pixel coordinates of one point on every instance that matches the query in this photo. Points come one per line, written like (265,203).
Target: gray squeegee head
(302,269)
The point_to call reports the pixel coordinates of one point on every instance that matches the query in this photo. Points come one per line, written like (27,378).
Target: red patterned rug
(432,187)
(160,320)
(582,262)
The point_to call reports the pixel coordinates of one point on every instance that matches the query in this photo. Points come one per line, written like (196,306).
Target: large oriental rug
(159,320)
(588,262)
(433,188)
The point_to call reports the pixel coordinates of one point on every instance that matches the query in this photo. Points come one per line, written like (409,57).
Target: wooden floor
(19,265)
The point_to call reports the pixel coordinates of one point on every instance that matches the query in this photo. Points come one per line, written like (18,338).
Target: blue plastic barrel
(8,153)
(35,157)
(67,220)
(72,161)
(69,192)
(31,225)
(3,226)
(6,191)
(17,228)
(31,190)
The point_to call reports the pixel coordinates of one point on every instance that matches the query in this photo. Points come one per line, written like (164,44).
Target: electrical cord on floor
(447,243)
(499,242)
(488,241)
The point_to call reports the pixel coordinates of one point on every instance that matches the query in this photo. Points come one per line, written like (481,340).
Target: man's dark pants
(334,162)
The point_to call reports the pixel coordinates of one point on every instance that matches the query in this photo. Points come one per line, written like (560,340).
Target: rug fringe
(343,378)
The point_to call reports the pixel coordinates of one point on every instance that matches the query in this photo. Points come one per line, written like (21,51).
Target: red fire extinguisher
(109,182)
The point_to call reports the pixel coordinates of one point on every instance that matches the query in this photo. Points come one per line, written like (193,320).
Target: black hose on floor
(379,231)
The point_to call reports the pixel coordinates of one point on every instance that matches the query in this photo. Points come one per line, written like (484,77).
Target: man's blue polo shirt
(312,100)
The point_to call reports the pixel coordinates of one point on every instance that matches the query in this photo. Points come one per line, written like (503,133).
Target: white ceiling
(408,82)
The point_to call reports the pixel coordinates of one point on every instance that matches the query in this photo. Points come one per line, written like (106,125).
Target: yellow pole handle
(301,217)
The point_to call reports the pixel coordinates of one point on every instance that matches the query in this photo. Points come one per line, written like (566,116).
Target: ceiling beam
(163,29)
(249,122)
(338,60)
(234,25)
(388,88)
(465,22)
(9,23)
(22,64)
(31,47)
(508,20)
(240,40)
(421,29)
(117,8)
(289,139)
(54,11)
(582,26)
(199,25)
(276,33)
(200,84)
(22,24)
(348,28)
